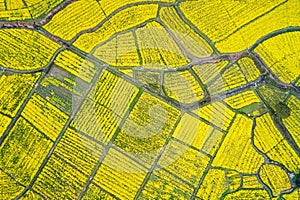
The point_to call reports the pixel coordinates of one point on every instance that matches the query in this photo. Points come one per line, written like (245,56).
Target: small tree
(282,110)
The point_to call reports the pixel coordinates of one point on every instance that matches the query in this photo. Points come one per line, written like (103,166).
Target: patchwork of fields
(157,99)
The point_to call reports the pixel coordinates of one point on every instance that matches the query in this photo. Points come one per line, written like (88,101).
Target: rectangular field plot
(186,163)
(236,151)
(120,175)
(198,134)
(242,99)
(59,180)
(57,93)
(183,87)
(121,50)
(249,69)
(216,182)
(2,5)
(162,185)
(79,151)
(192,131)
(146,129)
(76,65)
(250,182)
(266,134)
(9,187)
(4,122)
(14,4)
(95,192)
(62,89)
(212,143)
(25,49)
(158,48)
(14,90)
(44,116)
(106,105)
(96,121)
(24,151)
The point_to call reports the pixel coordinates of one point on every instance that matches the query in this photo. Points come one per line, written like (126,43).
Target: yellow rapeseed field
(291,122)
(44,116)
(207,72)
(251,182)
(120,175)
(187,163)
(230,15)
(76,65)
(249,69)
(285,154)
(87,14)
(232,78)
(146,129)
(25,49)
(236,151)
(172,187)
(281,54)
(119,51)
(242,99)
(79,151)
(213,185)
(275,178)
(183,87)
(293,195)
(158,48)
(14,90)
(24,151)
(266,134)
(110,6)
(4,122)
(198,134)
(38,8)
(18,10)
(216,113)
(9,186)
(95,192)
(14,4)
(248,194)
(285,14)
(190,40)
(192,131)
(63,177)
(104,100)
(149,99)
(123,20)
